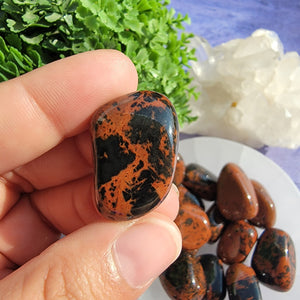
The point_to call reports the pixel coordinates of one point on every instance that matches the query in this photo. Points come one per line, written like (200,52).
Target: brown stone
(194,226)
(236,198)
(236,242)
(274,259)
(179,170)
(266,215)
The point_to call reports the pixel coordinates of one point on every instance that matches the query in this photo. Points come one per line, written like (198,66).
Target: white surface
(213,154)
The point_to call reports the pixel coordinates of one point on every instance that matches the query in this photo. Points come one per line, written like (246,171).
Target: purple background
(220,21)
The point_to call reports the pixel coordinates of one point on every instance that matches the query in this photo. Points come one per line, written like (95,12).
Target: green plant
(36,32)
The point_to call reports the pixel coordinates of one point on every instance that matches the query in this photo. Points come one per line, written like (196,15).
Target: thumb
(107,260)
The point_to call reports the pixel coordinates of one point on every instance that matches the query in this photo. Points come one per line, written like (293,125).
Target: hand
(46,188)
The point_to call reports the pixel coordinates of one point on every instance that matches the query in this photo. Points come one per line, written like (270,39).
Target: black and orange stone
(266,215)
(135,150)
(236,242)
(214,274)
(217,223)
(274,259)
(200,182)
(236,198)
(179,170)
(242,283)
(184,278)
(185,196)
(194,226)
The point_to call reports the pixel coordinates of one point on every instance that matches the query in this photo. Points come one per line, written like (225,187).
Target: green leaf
(3,46)
(142,56)
(93,6)
(143,5)
(3,77)
(14,40)
(14,26)
(110,21)
(131,48)
(35,32)
(33,40)
(53,17)
(30,17)
(91,22)
(132,23)
(9,69)
(35,57)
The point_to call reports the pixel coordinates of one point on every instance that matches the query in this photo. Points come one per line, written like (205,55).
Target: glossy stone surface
(274,259)
(266,215)
(185,278)
(242,283)
(214,274)
(185,196)
(135,148)
(179,170)
(200,182)
(236,198)
(217,223)
(236,242)
(194,226)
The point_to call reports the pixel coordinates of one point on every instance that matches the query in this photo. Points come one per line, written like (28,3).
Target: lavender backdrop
(219,21)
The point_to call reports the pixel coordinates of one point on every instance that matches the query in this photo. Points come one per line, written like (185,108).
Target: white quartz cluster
(250,91)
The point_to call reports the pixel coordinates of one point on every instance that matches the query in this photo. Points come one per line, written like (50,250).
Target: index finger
(39,109)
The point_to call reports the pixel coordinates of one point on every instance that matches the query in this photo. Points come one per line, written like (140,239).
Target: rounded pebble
(266,215)
(185,196)
(274,259)
(214,274)
(135,150)
(242,283)
(236,242)
(236,198)
(184,278)
(217,223)
(194,226)
(200,182)
(179,170)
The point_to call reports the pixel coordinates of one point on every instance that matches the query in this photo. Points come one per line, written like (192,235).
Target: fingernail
(175,188)
(145,250)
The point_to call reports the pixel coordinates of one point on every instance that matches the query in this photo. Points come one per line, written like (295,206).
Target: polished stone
(236,199)
(266,215)
(242,283)
(135,147)
(185,196)
(236,242)
(274,259)
(194,226)
(214,274)
(179,170)
(185,278)
(201,182)
(217,223)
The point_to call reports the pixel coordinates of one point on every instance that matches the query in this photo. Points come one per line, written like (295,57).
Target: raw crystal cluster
(249,91)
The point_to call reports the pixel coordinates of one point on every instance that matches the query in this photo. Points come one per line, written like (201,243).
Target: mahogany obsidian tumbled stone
(266,215)
(214,274)
(200,182)
(184,278)
(242,283)
(217,223)
(236,242)
(185,196)
(274,259)
(135,151)
(179,170)
(236,198)
(194,226)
